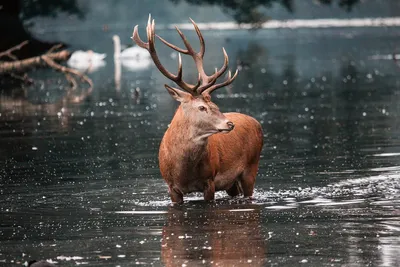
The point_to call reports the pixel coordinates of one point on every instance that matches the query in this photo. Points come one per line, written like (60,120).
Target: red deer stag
(195,155)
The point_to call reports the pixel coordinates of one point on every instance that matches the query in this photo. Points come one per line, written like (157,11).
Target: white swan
(133,58)
(86,60)
(134,52)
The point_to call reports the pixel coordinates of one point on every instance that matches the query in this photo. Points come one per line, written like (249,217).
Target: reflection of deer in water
(195,155)
(213,236)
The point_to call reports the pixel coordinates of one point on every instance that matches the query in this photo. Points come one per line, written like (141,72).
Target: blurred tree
(34,8)
(251,11)
(348,4)
(13,13)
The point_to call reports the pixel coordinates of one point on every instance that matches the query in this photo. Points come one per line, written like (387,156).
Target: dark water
(80,182)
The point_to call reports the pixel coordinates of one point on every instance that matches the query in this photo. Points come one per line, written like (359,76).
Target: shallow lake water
(80,183)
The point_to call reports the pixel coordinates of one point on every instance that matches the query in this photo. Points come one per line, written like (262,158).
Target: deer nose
(230,125)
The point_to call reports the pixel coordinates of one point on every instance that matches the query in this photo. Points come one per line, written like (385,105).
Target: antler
(149,46)
(205,84)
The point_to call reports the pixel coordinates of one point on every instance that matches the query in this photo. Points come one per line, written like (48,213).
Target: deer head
(195,99)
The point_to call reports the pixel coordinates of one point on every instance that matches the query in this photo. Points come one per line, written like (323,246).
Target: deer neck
(185,138)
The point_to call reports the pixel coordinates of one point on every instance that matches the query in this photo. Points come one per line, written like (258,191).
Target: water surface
(80,182)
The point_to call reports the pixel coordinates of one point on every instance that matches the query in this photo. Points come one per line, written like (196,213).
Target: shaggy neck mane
(184,140)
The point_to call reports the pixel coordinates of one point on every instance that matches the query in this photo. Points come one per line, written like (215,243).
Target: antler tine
(224,66)
(150,46)
(138,41)
(219,85)
(186,42)
(187,51)
(213,78)
(205,80)
(197,84)
(197,57)
(183,51)
(179,75)
(202,43)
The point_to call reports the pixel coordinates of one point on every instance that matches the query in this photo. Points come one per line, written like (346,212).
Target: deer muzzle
(227,128)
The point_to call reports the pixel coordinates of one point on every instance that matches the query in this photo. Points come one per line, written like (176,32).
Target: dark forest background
(16,16)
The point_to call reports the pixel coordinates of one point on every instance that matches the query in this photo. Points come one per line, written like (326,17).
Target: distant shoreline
(298,23)
(271,24)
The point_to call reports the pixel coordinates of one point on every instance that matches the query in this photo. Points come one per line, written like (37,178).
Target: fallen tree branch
(8,52)
(64,69)
(67,70)
(49,58)
(21,65)
(54,48)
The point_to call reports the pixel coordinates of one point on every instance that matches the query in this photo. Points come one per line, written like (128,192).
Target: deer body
(204,150)
(219,162)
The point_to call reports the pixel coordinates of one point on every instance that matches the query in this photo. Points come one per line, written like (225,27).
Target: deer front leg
(176,195)
(209,190)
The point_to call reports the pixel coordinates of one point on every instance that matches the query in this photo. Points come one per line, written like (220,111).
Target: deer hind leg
(234,190)
(209,190)
(176,195)
(248,179)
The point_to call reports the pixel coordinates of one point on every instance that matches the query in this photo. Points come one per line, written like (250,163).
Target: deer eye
(202,108)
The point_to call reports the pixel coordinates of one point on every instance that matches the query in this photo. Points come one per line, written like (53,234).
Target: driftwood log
(9,52)
(22,65)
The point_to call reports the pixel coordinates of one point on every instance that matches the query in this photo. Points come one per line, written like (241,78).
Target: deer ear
(177,94)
